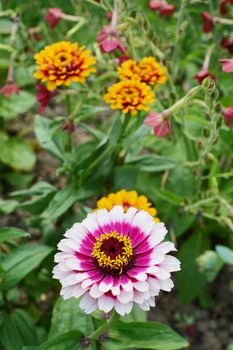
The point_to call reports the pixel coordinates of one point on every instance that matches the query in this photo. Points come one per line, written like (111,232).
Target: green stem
(178,36)
(179,104)
(68,105)
(105,327)
(200,203)
(92,166)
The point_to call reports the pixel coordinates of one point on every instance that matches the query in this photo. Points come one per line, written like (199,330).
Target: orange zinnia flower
(63,63)
(127,199)
(130,96)
(148,71)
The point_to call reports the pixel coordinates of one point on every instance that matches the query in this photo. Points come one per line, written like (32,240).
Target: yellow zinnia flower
(148,71)
(127,199)
(63,63)
(130,96)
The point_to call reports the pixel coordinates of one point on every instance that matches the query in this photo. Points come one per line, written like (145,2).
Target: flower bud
(209,263)
(206,132)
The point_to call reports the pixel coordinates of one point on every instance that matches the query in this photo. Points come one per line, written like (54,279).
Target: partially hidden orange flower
(148,70)
(127,199)
(63,63)
(130,96)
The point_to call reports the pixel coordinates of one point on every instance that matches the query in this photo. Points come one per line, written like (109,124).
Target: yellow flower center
(63,59)
(113,251)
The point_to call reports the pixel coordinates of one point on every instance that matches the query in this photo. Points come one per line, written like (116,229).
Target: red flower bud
(227,65)
(44,96)
(160,124)
(223,6)
(208,22)
(53,16)
(34,34)
(227,44)
(228,115)
(109,40)
(202,74)
(9,89)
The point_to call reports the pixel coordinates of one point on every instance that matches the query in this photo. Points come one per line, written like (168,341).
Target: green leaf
(167,196)
(144,335)
(21,261)
(50,136)
(125,177)
(11,107)
(10,233)
(136,314)
(225,253)
(7,206)
(67,316)
(17,330)
(181,221)
(115,130)
(72,337)
(24,75)
(190,279)
(39,188)
(137,136)
(16,153)
(65,198)
(181,181)
(152,162)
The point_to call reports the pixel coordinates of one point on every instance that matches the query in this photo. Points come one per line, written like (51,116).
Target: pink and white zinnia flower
(114,259)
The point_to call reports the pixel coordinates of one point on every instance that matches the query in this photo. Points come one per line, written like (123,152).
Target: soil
(206,329)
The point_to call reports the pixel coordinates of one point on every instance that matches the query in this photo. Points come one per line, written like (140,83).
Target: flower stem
(68,105)
(221,20)
(105,327)
(178,36)
(179,104)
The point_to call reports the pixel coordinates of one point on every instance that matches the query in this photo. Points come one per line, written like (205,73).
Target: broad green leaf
(181,221)
(151,163)
(125,177)
(225,253)
(10,233)
(37,204)
(50,136)
(144,335)
(20,262)
(5,25)
(167,196)
(39,188)
(97,134)
(16,153)
(67,316)
(7,206)
(190,279)
(24,75)
(11,107)
(18,180)
(136,136)
(136,314)
(181,181)
(72,338)
(64,199)
(115,130)
(17,330)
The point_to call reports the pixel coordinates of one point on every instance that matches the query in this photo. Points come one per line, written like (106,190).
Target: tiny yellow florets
(130,96)
(148,71)
(63,63)
(127,199)
(104,260)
